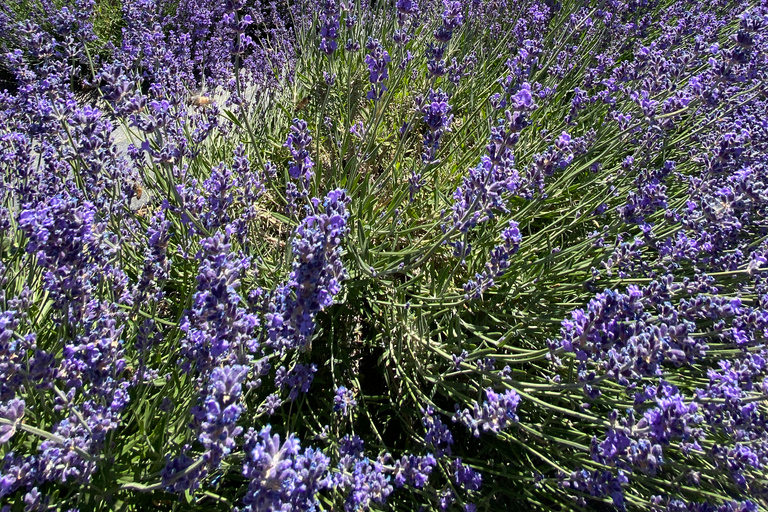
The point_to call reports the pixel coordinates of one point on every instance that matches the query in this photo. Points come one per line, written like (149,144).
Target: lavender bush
(412,255)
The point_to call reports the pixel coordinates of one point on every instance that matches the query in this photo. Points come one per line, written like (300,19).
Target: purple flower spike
(344,401)
(495,414)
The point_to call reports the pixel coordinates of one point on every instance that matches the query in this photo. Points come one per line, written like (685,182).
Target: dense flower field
(470,255)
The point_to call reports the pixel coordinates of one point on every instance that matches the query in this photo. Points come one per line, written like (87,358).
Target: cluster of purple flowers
(217,327)
(498,264)
(483,190)
(153,310)
(438,435)
(298,143)
(316,275)
(632,337)
(452,20)
(220,412)
(377,61)
(495,414)
(300,168)
(344,401)
(280,475)
(407,10)
(329,30)
(83,371)
(437,117)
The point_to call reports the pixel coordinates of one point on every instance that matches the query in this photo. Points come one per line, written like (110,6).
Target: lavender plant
(360,256)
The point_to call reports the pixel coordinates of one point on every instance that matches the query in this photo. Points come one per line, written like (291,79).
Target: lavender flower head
(344,401)
(499,263)
(438,117)
(220,411)
(438,436)
(329,27)
(280,476)
(377,61)
(452,19)
(316,276)
(298,143)
(495,414)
